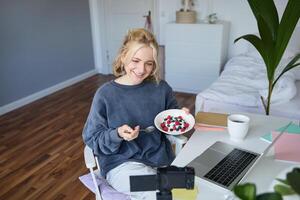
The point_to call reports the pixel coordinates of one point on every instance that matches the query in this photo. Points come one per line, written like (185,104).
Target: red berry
(186,125)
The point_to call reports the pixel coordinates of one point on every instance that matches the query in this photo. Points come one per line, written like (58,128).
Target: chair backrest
(91,162)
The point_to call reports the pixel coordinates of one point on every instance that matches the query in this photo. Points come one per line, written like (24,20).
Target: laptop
(225,165)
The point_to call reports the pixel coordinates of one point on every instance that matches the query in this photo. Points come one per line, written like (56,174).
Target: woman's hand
(127,133)
(186,110)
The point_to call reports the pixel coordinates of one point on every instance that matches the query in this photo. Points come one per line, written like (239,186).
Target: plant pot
(186,17)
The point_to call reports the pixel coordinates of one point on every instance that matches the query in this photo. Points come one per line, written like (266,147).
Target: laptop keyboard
(230,167)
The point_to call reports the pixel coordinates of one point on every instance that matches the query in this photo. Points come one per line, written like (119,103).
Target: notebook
(225,165)
(212,119)
(287,148)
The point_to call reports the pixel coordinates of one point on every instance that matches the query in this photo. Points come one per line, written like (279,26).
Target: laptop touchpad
(206,161)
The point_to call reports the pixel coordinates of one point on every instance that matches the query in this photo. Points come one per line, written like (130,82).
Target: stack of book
(287,147)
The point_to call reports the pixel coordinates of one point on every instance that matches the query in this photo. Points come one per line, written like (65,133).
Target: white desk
(264,171)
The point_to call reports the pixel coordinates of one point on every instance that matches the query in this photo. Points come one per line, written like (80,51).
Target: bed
(290,109)
(244,80)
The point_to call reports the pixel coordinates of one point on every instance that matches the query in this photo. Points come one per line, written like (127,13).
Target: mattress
(289,109)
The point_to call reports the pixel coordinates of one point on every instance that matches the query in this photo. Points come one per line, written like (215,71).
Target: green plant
(274,38)
(288,186)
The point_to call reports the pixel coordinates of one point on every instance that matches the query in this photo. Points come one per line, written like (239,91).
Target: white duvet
(244,80)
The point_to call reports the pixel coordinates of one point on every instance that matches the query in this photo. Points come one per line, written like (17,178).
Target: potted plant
(274,38)
(186,14)
(288,186)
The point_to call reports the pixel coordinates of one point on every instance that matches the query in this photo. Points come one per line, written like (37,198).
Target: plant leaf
(263,102)
(257,43)
(245,191)
(293,179)
(267,19)
(289,66)
(284,190)
(282,181)
(269,196)
(296,170)
(286,27)
(265,33)
(266,9)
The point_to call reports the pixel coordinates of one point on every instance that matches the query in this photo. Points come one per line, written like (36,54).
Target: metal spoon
(149,129)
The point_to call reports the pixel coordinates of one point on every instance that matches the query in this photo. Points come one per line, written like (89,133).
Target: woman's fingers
(124,130)
(186,110)
(134,133)
(127,133)
(127,129)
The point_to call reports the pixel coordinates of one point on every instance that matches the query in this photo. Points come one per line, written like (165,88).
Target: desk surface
(263,173)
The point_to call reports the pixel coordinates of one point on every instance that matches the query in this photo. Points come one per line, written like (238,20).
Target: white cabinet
(195,54)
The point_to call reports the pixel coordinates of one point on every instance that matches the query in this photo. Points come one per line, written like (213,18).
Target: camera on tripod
(164,181)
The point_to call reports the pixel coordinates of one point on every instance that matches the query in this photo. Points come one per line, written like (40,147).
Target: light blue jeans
(118,178)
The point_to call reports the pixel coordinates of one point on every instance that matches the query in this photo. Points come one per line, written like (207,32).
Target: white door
(120,16)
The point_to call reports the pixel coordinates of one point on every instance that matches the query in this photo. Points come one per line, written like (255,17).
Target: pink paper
(200,127)
(287,147)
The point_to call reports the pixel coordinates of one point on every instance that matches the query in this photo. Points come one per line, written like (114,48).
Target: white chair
(92,163)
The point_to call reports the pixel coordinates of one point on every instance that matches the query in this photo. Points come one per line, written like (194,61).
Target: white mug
(237,126)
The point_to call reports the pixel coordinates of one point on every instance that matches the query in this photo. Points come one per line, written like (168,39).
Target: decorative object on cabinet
(195,54)
(212,18)
(186,15)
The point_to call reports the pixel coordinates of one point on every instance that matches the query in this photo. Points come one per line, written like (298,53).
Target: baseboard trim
(38,95)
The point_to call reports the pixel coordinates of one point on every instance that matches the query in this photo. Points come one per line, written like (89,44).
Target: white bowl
(174,113)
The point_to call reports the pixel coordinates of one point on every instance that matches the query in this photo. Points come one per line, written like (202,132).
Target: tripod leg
(164,195)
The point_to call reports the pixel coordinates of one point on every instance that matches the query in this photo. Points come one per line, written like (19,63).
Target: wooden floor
(41,146)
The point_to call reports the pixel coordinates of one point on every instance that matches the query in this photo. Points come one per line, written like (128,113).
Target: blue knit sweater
(115,105)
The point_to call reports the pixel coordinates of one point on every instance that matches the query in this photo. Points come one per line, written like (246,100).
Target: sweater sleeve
(171,101)
(96,133)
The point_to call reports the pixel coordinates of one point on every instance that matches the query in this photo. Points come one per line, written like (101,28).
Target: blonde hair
(133,41)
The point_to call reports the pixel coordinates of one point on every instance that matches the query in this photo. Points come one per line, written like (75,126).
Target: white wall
(237,12)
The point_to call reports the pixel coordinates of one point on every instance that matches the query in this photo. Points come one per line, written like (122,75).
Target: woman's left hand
(186,110)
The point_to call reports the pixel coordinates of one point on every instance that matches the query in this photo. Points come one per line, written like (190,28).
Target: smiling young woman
(139,67)
(124,106)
